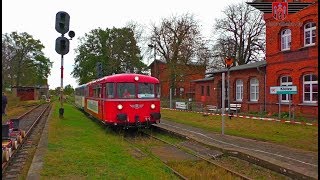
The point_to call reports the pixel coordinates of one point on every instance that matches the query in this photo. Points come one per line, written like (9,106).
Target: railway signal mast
(62,46)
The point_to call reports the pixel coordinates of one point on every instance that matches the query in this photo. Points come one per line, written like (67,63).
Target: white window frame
(239,90)
(311,83)
(254,89)
(309,30)
(285,83)
(285,39)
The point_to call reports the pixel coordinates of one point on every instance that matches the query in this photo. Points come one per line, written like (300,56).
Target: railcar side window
(86,91)
(146,90)
(77,92)
(94,91)
(126,90)
(97,91)
(110,90)
(90,91)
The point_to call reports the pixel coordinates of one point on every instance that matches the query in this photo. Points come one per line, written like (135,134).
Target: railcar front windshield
(126,90)
(146,90)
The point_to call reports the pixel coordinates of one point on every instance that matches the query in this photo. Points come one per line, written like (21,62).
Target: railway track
(32,122)
(193,156)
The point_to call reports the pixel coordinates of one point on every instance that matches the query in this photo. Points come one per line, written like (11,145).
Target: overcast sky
(37,18)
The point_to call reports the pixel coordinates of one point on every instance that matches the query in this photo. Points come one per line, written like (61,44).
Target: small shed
(30,92)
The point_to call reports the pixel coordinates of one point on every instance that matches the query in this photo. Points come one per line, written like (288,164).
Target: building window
(285,39)
(285,81)
(254,89)
(239,90)
(181,91)
(310,88)
(208,90)
(202,90)
(309,34)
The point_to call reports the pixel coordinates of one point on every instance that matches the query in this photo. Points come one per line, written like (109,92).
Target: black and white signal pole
(62,46)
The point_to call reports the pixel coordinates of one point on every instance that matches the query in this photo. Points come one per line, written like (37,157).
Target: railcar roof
(126,78)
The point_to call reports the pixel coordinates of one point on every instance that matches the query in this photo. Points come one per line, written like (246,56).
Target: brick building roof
(234,68)
(241,67)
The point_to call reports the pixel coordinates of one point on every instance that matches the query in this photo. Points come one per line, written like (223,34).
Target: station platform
(294,163)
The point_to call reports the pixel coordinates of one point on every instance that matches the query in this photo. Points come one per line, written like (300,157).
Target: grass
(250,170)
(296,136)
(80,148)
(201,170)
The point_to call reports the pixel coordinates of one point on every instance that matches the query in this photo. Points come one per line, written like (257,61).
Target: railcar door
(99,99)
(101,103)
(109,105)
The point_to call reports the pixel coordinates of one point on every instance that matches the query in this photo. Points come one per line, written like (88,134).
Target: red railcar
(128,100)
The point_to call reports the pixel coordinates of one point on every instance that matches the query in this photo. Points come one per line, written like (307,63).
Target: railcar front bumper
(139,122)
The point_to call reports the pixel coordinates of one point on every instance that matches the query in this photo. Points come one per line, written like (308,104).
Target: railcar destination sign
(283,90)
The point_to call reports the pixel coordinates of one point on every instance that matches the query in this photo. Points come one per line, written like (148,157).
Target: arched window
(239,90)
(309,34)
(310,88)
(285,39)
(254,89)
(286,81)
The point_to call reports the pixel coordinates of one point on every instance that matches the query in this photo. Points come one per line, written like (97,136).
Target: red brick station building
(291,60)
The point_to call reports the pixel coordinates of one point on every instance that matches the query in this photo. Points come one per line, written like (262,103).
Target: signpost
(284,90)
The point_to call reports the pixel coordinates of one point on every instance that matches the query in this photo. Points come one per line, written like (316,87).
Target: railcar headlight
(119,106)
(153,106)
(136,78)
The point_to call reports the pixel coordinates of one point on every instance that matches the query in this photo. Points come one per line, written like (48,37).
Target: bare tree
(179,43)
(142,39)
(241,35)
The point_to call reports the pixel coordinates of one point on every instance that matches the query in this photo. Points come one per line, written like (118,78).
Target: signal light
(62,22)
(62,45)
